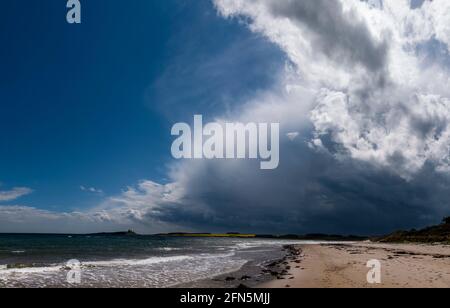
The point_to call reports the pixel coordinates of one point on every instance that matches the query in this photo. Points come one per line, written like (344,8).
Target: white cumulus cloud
(15,193)
(378,96)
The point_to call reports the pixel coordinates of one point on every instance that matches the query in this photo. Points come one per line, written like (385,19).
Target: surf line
(228,141)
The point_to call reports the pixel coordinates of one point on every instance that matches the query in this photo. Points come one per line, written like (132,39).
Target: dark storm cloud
(326,190)
(340,35)
(313,191)
(309,192)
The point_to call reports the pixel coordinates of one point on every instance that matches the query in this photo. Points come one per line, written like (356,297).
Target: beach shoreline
(252,274)
(226,263)
(345,266)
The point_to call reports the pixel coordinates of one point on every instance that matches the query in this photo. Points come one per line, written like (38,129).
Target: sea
(103,261)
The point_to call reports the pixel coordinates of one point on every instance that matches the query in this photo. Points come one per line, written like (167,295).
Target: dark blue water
(124,261)
(49,249)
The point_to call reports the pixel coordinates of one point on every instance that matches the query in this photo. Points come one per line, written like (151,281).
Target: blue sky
(92,104)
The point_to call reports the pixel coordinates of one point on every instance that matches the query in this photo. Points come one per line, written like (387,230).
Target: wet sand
(344,266)
(263,269)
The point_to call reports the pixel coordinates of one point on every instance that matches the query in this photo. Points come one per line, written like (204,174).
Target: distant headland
(125,233)
(434,234)
(312,237)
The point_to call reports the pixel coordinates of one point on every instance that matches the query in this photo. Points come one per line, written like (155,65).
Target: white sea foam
(272,243)
(131,262)
(169,249)
(4,270)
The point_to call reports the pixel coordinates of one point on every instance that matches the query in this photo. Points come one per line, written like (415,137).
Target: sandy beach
(344,266)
